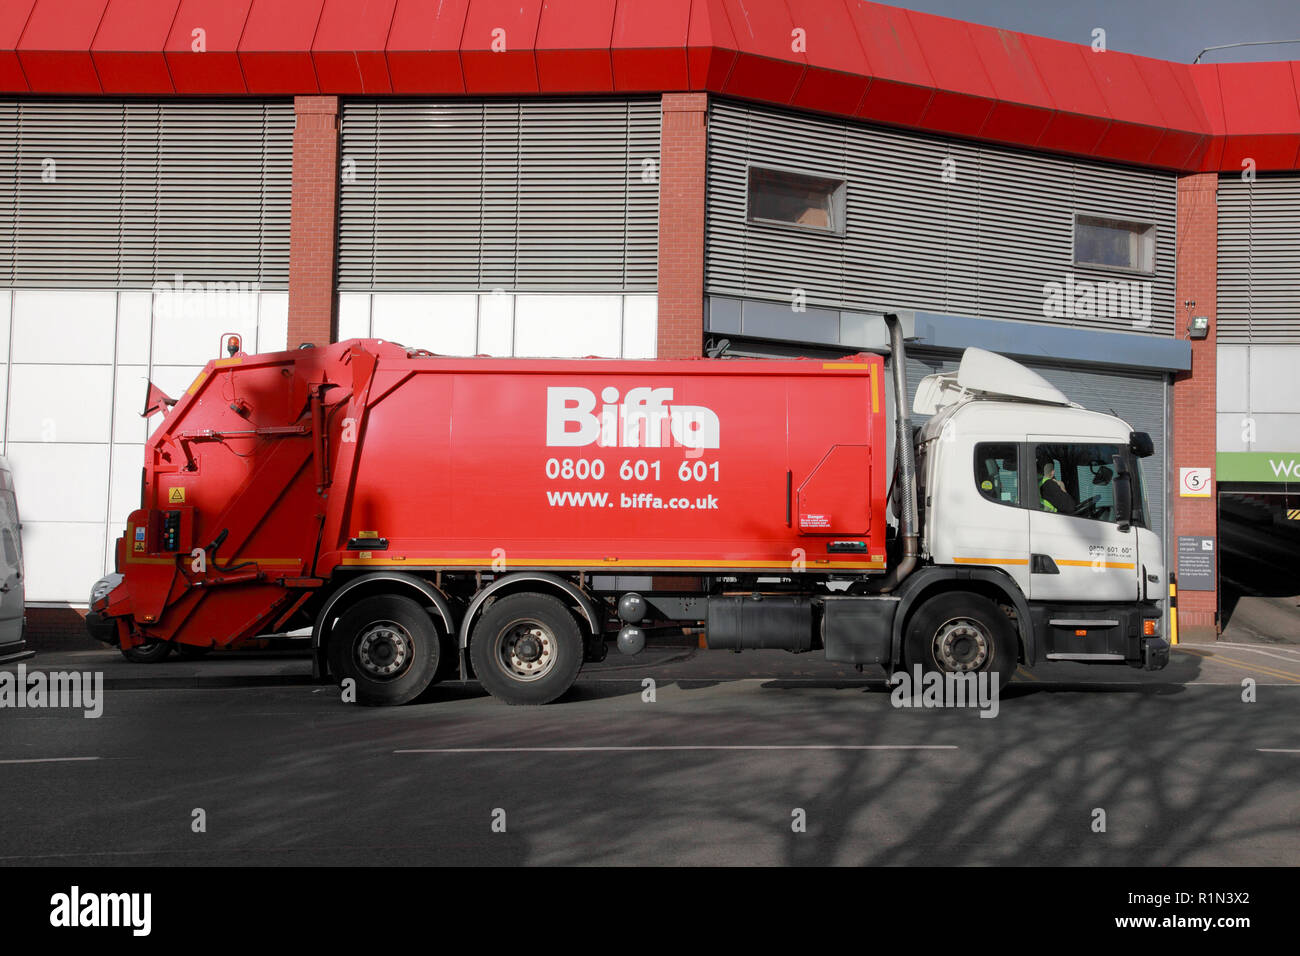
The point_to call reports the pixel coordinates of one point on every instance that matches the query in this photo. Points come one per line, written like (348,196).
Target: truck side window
(996,472)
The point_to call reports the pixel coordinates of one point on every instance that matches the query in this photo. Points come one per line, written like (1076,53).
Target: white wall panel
(272,324)
(354,315)
(568,325)
(496,324)
(1228,432)
(640,326)
(62,560)
(1276,432)
(129,392)
(1275,378)
(124,486)
(6,304)
(173,380)
(134,320)
(1232,378)
(60,403)
(57,482)
(63,326)
(440,323)
(187,328)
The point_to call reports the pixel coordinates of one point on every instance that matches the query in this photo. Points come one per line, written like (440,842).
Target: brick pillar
(682,157)
(313,220)
(1194,398)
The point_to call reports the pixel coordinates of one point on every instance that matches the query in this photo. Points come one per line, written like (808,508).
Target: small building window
(1114,244)
(791,199)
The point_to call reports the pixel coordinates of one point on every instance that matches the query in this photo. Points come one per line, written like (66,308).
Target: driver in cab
(1051,492)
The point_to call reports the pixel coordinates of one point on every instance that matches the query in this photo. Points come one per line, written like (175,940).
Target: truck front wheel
(526,649)
(388,646)
(962,633)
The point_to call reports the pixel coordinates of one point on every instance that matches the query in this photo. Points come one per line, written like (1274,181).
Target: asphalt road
(712,772)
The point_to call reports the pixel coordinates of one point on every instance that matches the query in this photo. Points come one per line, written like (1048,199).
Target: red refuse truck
(507,519)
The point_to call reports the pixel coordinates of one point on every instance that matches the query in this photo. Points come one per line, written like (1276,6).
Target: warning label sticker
(139,546)
(814,521)
(139,534)
(176,496)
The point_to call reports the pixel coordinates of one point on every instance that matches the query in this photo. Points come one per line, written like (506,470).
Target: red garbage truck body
(277,481)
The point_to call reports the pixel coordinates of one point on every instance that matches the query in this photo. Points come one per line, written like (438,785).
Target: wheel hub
(528,650)
(385,649)
(962,645)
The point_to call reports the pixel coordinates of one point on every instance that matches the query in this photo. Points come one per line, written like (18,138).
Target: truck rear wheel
(150,652)
(389,646)
(526,649)
(960,633)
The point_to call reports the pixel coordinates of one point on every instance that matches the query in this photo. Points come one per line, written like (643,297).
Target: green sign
(1282,466)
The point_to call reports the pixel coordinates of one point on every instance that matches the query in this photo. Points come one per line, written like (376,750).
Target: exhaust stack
(907,520)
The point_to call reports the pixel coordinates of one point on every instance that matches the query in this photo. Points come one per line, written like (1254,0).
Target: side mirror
(1141,445)
(1123,486)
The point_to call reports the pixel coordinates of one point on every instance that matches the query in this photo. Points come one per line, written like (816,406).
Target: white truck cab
(1012,476)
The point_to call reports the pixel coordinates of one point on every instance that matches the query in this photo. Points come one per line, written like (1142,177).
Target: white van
(12,646)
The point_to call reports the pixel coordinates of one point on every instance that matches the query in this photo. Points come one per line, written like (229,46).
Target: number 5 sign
(1194,482)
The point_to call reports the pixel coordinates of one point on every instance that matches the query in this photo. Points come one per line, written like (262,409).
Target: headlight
(103,587)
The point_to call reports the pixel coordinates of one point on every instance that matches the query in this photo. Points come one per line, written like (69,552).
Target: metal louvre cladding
(1259,261)
(123,194)
(464,195)
(984,243)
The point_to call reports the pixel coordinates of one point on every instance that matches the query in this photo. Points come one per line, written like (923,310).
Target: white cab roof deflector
(985,374)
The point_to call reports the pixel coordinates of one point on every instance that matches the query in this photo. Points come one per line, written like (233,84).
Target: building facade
(608,177)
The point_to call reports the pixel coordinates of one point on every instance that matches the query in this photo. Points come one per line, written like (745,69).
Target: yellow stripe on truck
(813,563)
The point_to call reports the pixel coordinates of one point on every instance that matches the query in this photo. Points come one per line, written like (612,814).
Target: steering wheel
(1088,507)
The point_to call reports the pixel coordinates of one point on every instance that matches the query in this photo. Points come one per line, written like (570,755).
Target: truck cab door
(1077,551)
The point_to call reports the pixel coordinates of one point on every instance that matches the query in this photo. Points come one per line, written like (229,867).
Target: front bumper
(1155,653)
(102,627)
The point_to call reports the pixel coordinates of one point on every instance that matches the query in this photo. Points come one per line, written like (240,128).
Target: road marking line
(1233,662)
(1024,673)
(50,760)
(576,750)
(1258,650)
(1275,750)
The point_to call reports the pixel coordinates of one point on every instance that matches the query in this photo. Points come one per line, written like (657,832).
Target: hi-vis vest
(1047,505)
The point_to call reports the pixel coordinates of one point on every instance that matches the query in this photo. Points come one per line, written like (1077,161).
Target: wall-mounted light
(1199,327)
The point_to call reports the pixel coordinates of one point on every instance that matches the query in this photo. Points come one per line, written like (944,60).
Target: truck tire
(389,646)
(961,632)
(526,649)
(151,652)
